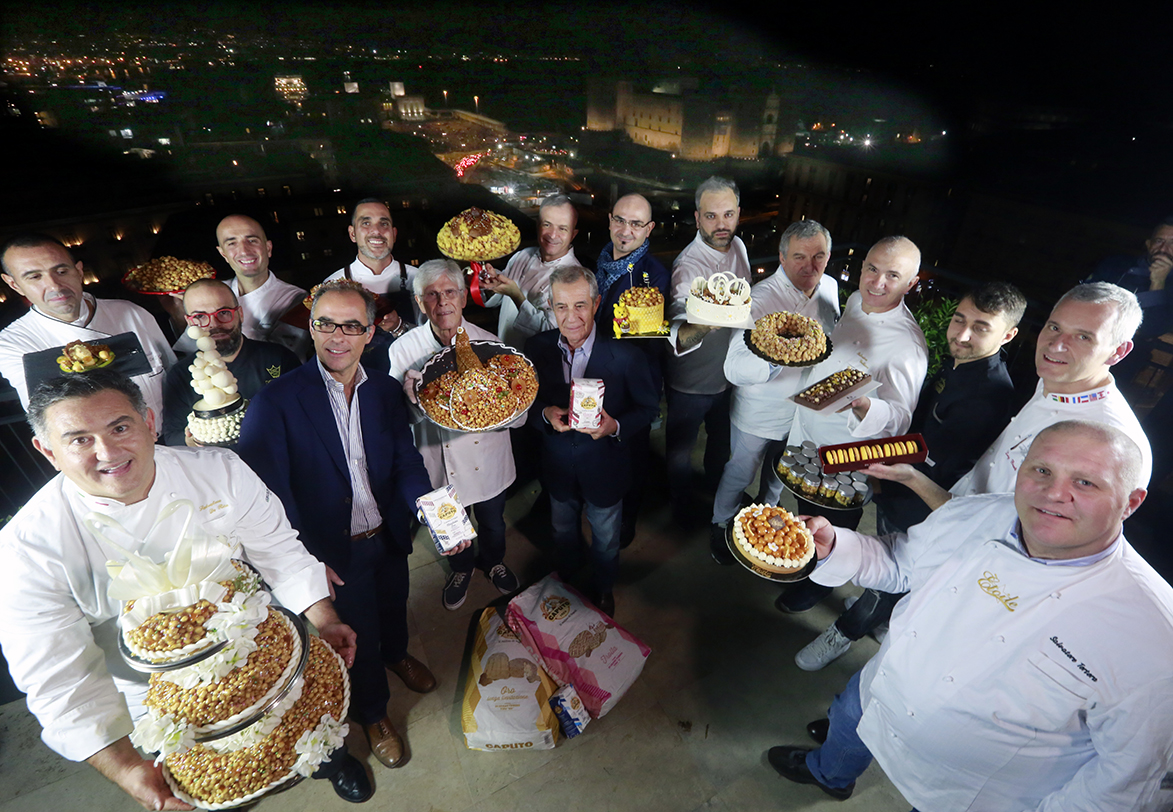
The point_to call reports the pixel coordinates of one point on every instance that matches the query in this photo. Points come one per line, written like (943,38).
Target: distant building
(676,116)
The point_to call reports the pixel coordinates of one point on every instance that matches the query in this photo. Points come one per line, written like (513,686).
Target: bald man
(263,298)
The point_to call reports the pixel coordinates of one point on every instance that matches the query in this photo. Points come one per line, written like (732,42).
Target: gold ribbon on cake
(191,571)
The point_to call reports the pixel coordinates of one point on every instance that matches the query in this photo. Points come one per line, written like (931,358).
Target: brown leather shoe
(415,675)
(385,743)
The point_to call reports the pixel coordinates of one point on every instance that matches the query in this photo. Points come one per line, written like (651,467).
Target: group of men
(1058,715)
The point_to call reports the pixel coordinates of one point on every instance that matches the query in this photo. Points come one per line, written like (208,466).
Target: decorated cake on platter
(789,338)
(640,311)
(773,538)
(215,418)
(722,299)
(241,700)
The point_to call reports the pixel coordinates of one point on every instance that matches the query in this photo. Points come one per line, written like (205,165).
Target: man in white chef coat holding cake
(43,271)
(761,411)
(1030,665)
(59,629)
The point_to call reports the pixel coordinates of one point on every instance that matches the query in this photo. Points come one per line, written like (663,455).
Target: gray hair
(1127,451)
(83,385)
(802,230)
(1128,312)
(717,184)
(431,271)
(569,274)
(341,285)
(557,201)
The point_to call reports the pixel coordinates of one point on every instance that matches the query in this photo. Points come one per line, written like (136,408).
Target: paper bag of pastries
(507,695)
(577,644)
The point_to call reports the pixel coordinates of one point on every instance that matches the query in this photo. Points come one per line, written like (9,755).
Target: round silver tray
(764,572)
(445,361)
(816,500)
(753,348)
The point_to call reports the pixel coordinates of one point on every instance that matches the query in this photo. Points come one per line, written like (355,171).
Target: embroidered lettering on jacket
(1083,668)
(992,586)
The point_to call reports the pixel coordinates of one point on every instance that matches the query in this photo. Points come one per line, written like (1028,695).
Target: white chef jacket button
(948,679)
(476,469)
(883,673)
(476,442)
(447,446)
(1000,639)
(912,633)
(1055,595)
(910,713)
(954,590)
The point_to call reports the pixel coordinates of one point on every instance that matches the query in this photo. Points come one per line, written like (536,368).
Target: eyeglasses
(635,224)
(222,316)
(349,329)
(447,295)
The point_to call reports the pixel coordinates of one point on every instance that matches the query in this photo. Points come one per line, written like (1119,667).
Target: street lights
(477,101)
(445,98)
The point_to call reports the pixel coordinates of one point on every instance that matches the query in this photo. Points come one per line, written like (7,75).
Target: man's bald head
(242,242)
(630,224)
(889,271)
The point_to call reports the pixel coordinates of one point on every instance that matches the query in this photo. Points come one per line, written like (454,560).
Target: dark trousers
(490,542)
(686,412)
(807,593)
(373,602)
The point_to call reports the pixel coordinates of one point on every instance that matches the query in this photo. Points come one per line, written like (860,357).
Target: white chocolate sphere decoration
(217,386)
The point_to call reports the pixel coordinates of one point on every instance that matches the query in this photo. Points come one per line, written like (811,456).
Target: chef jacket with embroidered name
(1013,683)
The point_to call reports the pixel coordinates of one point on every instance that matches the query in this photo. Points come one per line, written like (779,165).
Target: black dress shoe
(718,547)
(351,782)
(790,762)
(818,730)
(605,603)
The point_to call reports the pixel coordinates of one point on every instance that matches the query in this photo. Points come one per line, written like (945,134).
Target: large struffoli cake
(789,338)
(643,308)
(721,299)
(475,235)
(242,719)
(772,538)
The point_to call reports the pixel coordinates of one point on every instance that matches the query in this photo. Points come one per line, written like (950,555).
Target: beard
(230,344)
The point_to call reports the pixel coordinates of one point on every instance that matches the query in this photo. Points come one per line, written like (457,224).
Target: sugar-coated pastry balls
(194,332)
(206,343)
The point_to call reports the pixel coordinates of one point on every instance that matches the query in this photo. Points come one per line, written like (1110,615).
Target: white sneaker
(826,648)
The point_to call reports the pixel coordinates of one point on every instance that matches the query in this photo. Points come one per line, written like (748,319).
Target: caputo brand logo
(514,746)
(589,403)
(506,633)
(446,511)
(992,586)
(555,607)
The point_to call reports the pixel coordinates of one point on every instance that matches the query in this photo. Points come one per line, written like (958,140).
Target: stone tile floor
(719,689)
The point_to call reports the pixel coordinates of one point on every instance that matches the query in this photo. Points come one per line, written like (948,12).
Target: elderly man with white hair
(479,466)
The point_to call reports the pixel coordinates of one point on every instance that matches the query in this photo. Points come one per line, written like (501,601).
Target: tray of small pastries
(123,353)
(837,459)
(822,394)
(165,275)
(476,385)
(789,340)
(801,470)
(771,543)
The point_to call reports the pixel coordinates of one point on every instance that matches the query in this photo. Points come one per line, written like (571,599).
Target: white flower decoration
(162,734)
(316,745)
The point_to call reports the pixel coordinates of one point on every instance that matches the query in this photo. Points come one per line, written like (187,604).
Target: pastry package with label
(507,695)
(446,519)
(586,403)
(577,644)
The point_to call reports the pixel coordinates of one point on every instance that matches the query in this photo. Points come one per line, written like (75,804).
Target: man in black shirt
(961,411)
(212,305)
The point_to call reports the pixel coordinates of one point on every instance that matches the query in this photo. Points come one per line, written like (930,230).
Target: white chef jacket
(478,464)
(35,331)
(761,390)
(1006,683)
(57,625)
(516,325)
(996,470)
(891,348)
(264,307)
(702,371)
(386,283)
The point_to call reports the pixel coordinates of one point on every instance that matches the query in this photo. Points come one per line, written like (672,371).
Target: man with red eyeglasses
(212,305)
(42,270)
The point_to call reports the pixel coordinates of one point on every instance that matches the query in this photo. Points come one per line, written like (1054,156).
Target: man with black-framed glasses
(213,306)
(333,443)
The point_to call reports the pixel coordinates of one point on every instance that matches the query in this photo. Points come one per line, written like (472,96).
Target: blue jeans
(843,757)
(605,522)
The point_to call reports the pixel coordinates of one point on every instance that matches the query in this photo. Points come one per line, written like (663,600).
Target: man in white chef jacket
(1089,330)
(263,297)
(761,411)
(43,271)
(479,465)
(522,289)
(877,334)
(1031,665)
(59,629)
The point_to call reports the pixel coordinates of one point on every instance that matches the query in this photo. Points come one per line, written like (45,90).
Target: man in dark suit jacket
(302,434)
(587,468)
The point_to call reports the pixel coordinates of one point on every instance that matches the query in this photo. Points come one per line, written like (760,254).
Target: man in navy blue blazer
(335,446)
(584,468)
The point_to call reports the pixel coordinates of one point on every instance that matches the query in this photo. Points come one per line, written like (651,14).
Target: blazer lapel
(315,402)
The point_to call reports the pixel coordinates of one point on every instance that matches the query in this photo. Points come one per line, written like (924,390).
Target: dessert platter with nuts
(166,275)
(477,236)
(476,385)
(242,700)
(771,543)
(788,339)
